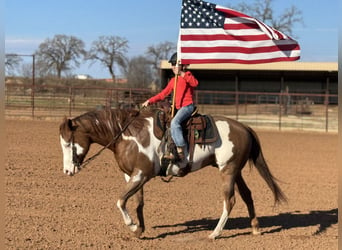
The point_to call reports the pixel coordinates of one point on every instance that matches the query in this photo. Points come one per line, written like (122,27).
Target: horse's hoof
(138,232)
(213,236)
(256,232)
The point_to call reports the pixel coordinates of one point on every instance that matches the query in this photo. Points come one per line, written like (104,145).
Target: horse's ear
(69,122)
(66,124)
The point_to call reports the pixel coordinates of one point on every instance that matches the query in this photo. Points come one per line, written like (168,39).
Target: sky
(148,22)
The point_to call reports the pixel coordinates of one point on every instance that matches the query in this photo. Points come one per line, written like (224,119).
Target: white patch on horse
(150,150)
(127,177)
(225,151)
(222,222)
(137,177)
(68,166)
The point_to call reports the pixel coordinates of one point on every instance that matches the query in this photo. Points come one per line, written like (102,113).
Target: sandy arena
(46,209)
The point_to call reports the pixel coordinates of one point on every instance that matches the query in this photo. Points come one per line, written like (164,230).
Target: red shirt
(184,90)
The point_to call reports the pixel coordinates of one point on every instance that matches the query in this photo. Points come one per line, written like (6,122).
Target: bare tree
(262,10)
(139,72)
(26,70)
(12,63)
(109,50)
(60,53)
(159,52)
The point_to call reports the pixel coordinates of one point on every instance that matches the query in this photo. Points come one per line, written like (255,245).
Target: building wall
(295,77)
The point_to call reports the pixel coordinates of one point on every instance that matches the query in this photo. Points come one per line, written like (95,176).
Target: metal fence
(281,111)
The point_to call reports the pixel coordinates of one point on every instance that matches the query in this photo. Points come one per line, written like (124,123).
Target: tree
(26,70)
(109,50)
(263,11)
(139,72)
(60,53)
(157,53)
(12,62)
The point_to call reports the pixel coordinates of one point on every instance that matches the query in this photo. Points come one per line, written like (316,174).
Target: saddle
(198,129)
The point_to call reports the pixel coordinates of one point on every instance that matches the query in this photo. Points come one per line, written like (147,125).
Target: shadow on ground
(297,219)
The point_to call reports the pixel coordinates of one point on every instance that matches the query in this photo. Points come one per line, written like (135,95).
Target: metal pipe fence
(281,111)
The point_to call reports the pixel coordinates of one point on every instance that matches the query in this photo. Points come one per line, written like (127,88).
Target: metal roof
(277,66)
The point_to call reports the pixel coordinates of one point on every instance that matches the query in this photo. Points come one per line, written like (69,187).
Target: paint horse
(138,154)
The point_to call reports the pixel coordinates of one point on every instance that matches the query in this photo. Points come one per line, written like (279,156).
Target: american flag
(210,33)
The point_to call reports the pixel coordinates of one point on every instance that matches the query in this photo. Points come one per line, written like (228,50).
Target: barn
(289,77)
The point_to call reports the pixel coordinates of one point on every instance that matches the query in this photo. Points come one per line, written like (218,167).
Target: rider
(184,84)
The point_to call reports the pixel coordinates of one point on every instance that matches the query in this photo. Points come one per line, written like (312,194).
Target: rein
(86,162)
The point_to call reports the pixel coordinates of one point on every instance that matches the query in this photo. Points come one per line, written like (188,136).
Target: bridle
(75,160)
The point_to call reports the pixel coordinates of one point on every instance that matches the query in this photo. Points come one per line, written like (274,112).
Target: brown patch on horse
(65,129)
(126,155)
(137,130)
(129,158)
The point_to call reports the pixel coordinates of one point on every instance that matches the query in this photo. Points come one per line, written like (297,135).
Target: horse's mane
(112,120)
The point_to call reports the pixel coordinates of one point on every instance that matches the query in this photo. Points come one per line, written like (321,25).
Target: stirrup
(181,156)
(175,158)
(169,156)
(172,157)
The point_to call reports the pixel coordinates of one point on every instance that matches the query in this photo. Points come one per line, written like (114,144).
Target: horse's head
(75,145)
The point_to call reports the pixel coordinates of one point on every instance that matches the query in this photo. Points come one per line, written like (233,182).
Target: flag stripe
(240,61)
(221,56)
(238,32)
(239,49)
(222,37)
(237,43)
(214,34)
(239,26)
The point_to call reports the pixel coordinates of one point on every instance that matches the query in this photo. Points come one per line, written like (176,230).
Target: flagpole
(176,77)
(174,96)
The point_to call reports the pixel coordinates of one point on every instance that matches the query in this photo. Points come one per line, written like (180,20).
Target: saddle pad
(204,134)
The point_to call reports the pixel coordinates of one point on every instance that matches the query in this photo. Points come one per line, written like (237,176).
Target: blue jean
(176,124)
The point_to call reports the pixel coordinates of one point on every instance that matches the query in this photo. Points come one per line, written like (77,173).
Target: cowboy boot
(180,152)
(176,155)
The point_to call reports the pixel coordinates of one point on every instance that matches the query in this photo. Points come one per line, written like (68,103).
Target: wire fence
(281,111)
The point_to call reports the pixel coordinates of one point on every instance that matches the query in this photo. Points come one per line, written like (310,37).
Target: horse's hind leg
(139,196)
(135,183)
(228,203)
(246,195)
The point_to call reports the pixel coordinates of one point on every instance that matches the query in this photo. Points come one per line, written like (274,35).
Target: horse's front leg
(134,184)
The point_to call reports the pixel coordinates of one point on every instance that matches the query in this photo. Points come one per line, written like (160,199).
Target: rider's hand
(145,104)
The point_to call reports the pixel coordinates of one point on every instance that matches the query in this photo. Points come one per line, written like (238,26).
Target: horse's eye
(67,145)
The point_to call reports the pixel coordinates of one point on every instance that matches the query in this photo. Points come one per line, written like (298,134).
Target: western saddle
(198,129)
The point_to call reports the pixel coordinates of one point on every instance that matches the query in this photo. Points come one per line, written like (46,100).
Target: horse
(129,135)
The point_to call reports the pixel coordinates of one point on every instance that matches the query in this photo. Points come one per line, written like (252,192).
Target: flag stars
(199,14)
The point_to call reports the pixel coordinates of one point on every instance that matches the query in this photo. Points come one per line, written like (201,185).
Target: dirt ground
(46,209)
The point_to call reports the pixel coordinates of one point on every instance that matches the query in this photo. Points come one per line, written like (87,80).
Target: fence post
(33,84)
(32,99)
(326,103)
(70,100)
(236,97)
(281,99)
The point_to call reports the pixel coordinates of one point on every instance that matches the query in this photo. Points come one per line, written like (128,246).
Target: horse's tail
(257,157)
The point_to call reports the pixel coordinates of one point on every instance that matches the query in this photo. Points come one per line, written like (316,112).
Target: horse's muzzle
(73,171)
